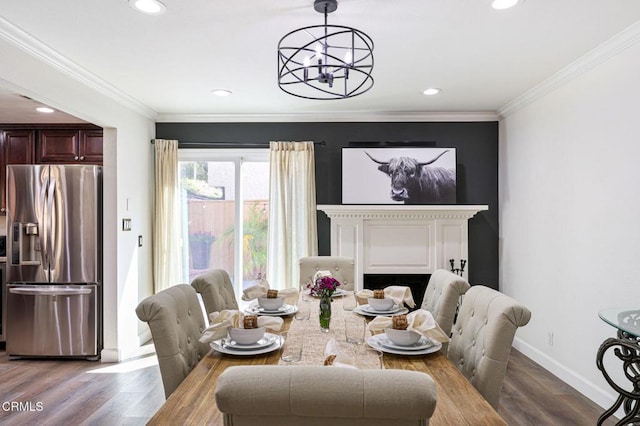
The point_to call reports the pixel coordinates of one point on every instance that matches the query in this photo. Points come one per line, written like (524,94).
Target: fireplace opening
(416,282)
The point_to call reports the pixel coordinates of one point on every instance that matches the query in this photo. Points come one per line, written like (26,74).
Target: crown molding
(331,117)
(44,53)
(602,53)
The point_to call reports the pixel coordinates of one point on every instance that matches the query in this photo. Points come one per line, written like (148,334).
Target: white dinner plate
(225,349)
(267,339)
(285,309)
(362,310)
(372,310)
(423,343)
(375,343)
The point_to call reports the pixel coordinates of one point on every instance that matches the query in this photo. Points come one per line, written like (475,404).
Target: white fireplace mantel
(400,239)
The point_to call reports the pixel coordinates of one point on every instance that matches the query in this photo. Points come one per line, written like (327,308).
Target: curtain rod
(404,143)
(190,144)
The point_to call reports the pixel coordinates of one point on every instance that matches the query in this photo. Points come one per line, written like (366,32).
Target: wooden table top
(458,402)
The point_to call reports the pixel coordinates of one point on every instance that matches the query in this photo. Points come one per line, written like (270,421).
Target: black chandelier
(325,61)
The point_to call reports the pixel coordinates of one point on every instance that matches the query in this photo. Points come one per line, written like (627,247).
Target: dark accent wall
(476,145)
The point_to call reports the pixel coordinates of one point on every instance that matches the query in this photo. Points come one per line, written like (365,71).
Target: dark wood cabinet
(69,146)
(47,143)
(16,147)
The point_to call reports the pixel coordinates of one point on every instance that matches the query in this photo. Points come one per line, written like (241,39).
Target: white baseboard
(603,397)
(110,355)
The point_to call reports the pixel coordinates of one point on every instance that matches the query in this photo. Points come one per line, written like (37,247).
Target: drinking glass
(354,329)
(291,347)
(349,301)
(303,312)
(304,292)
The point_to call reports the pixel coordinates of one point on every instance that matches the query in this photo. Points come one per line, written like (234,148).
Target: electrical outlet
(550,338)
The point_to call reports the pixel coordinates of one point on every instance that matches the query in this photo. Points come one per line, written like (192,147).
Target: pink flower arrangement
(323,287)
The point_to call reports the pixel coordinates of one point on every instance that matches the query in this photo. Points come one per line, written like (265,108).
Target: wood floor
(92,393)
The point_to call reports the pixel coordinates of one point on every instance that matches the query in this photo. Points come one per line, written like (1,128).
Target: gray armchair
(216,290)
(176,322)
(314,395)
(341,268)
(482,337)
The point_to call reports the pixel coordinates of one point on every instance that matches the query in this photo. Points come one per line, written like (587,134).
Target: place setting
(414,334)
(387,302)
(233,333)
(270,302)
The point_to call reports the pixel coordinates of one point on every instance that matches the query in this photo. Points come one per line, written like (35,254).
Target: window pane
(255,192)
(208,190)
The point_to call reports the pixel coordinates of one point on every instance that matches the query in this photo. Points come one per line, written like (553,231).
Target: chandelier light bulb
(307,62)
(348,59)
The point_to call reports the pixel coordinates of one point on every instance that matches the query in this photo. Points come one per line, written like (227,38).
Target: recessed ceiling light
(46,110)
(221,92)
(503,4)
(150,7)
(432,91)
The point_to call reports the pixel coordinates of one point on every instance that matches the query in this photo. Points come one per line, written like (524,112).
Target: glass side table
(626,347)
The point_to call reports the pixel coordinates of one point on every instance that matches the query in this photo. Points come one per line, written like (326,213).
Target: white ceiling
(481,58)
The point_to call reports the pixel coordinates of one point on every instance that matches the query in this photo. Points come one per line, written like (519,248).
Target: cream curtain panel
(292,211)
(166,225)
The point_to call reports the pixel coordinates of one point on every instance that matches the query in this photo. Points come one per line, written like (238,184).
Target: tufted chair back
(176,322)
(341,268)
(216,290)
(482,338)
(442,295)
(269,395)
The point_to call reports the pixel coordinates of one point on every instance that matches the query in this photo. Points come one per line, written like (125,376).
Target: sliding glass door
(224,207)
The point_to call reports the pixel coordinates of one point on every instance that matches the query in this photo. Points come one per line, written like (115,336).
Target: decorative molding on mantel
(400,239)
(402,211)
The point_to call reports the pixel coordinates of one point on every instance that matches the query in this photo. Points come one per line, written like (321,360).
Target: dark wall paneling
(476,145)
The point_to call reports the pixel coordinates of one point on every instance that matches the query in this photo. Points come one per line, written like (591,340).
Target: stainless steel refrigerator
(54,261)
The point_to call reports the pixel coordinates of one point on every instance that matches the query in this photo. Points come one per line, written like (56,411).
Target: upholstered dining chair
(176,322)
(442,296)
(216,290)
(315,395)
(342,269)
(482,337)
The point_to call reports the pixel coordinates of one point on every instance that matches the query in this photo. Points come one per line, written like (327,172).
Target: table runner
(315,340)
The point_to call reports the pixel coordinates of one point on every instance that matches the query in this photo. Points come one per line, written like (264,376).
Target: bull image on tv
(398,176)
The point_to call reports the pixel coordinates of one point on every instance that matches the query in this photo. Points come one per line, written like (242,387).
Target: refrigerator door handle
(49,224)
(49,291)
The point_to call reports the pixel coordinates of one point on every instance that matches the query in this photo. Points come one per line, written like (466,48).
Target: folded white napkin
(220,322)
(419,320)
(260,290)
(399,294)
(342,359)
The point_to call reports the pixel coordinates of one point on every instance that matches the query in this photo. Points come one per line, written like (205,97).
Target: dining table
(193,402)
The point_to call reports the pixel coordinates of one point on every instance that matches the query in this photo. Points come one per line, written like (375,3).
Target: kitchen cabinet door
(90,146)
(16,147)
(57,146)
(69,146)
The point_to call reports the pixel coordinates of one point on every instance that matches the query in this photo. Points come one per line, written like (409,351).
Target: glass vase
(325,313)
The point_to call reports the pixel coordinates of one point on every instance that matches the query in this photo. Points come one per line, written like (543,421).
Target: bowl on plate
(380,304)
(272,304)
(246,336)
(402,337)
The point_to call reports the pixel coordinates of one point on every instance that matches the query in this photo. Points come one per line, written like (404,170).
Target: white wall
(127,183)
(570,216)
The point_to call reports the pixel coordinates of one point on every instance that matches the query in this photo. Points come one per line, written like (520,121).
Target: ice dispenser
(25,247)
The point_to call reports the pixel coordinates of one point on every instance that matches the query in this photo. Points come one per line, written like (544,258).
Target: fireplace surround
(400,239)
